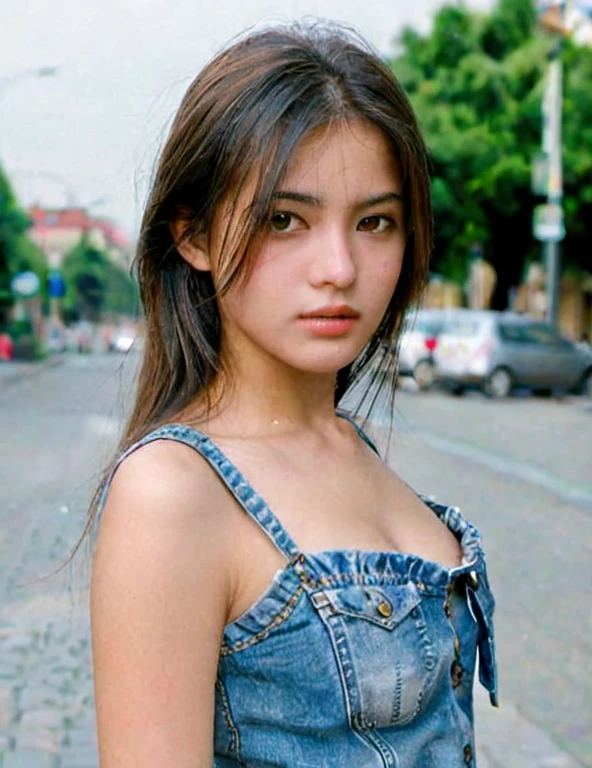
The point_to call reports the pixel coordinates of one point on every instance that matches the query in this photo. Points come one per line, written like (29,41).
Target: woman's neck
(270,399)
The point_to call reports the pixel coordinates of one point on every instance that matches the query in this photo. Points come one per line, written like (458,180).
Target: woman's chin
(327,364)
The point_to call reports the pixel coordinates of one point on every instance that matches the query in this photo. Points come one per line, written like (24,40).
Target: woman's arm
(159,599)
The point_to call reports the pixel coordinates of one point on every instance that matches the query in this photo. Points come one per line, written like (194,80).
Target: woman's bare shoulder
(166,474)
(167,501)
(159,591)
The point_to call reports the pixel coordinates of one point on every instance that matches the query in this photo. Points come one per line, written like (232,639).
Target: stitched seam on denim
(231,725)
(430,659)
(276,621)
(365,738)
(386,751)
(351,694)
(370,580)
(398,694)
(336,579)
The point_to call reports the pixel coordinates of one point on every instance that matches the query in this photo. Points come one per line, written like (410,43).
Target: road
(520,470)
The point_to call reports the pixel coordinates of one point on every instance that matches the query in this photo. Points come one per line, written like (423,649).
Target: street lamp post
(551,248)
(548,220)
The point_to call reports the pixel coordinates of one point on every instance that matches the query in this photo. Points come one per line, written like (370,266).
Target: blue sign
(56,287)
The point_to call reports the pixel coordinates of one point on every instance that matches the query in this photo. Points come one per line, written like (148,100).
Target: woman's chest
(328,502)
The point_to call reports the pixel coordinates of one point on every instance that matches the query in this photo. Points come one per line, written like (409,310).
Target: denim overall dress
(350,659)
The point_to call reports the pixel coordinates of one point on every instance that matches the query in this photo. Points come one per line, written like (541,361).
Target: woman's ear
(193,249)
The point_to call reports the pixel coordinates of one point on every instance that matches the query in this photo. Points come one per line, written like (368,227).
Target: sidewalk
(506,739)
(14,372)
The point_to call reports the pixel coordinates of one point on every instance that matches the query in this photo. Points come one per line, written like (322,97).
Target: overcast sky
(94,129)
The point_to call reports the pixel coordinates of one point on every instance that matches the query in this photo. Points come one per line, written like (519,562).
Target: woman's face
(326,268)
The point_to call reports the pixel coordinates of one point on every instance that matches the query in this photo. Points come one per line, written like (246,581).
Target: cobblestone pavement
(58,427)
(53,421)
(46,713)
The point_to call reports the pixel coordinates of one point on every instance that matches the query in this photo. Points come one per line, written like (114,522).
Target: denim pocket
(386,656)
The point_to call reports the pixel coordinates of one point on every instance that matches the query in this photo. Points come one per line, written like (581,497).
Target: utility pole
(551,248)
(549,225)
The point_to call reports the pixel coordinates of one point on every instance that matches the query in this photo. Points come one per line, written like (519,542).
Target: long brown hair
(246,112)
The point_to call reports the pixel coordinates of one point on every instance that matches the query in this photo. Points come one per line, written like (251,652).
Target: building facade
(57,230)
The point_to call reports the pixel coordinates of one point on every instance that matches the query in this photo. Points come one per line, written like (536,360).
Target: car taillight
(431,344)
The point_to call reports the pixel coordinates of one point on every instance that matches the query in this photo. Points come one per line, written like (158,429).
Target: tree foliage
(17,252)
(477,81)
(95,284)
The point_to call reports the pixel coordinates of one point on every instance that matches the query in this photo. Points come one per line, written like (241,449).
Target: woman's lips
(330,321)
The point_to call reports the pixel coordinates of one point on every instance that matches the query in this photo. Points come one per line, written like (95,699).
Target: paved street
(520,470)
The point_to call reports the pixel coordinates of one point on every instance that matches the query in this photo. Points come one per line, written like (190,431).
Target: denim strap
(253,504)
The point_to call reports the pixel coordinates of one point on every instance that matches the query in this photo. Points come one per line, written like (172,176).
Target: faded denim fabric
(351,659)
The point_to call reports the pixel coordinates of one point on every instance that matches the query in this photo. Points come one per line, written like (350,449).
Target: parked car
(123,340)
(418,342)
(498,351)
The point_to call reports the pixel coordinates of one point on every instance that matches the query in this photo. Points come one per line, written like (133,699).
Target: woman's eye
(284,222)
(376,224)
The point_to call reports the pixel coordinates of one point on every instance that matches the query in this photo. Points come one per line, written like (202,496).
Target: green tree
(94,284)
(477,81)
(17,252)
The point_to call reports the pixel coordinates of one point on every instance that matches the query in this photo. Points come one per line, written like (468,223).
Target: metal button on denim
(384,608)
(473,580)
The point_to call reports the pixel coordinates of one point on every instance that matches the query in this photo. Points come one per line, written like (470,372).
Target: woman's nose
(333,262)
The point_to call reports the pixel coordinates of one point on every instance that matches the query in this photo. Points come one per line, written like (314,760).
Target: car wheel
(423,373)
(499,383)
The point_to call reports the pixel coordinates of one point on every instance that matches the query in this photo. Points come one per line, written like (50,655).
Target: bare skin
(177,559)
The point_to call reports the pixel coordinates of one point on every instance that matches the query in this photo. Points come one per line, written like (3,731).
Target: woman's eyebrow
(317,202)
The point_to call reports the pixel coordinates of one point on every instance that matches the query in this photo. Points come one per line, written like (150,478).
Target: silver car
(418,342)
(498,351)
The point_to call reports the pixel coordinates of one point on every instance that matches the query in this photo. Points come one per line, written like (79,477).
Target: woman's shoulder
(161,476)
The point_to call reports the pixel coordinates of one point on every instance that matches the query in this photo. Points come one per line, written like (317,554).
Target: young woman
(266,591)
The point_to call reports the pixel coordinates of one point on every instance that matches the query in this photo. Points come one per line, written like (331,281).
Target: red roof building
(57,230)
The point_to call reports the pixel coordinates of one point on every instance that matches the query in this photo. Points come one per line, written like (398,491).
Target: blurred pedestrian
(266,591)
(6,347)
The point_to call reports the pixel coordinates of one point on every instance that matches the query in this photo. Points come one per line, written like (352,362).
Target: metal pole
(552,144)
(552,258)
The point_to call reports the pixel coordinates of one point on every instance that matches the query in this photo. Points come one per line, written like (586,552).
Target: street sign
(56,287)
(548,225)
(540,174)
(25,284)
